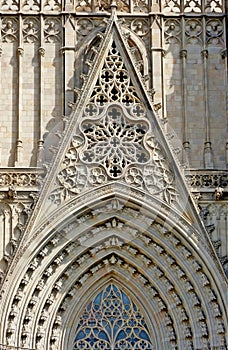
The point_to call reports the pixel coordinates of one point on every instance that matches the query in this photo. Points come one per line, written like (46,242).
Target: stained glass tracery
(112,322)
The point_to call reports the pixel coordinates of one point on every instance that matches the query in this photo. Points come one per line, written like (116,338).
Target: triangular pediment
(112,136)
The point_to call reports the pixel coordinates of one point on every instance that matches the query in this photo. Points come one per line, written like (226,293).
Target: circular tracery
(114,142)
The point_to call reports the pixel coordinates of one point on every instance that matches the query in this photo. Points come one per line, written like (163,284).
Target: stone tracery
(114,140)
(111,320)
(77,174)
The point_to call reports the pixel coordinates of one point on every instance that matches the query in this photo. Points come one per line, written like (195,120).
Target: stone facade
(113,173)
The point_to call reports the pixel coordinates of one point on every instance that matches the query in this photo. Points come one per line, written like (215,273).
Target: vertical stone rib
(225,57)
(68,56)
(62,65)
(151,57)
(183,55)
(20,51)
(208,160)
(0,79)
(163,53)
(41,58)
(157,62)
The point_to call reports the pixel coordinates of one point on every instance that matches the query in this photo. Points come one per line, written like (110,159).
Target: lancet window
(112,322)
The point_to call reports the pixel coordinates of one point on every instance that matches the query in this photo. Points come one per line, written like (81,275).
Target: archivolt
(115,239)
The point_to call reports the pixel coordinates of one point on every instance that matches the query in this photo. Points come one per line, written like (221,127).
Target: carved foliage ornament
(101,5)
(80,5)
(22,179)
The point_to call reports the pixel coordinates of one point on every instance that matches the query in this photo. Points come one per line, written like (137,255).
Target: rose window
(114,142)
(112,322)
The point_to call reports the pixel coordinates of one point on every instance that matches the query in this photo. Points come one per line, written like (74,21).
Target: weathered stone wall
(186,61)
(179,48)
(47,48)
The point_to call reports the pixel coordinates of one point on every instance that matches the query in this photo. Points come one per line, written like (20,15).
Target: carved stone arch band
(107,240)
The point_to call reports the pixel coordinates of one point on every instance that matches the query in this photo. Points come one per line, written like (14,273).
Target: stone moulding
(29,178)
(23,179)
(69,263)
(132,6)
(207,180)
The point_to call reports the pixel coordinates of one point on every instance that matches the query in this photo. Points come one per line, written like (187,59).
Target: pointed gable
(113,136)
(114,140)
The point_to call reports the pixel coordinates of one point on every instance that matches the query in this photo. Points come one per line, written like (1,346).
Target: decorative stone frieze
(135,6)
(21,179)
(196,6)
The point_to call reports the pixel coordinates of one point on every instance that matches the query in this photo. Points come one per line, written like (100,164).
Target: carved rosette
(115,145)
(114,141)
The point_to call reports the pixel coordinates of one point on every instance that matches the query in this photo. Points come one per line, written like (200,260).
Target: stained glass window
(112,322)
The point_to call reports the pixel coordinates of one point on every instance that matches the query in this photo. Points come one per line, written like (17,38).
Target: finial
(113,6)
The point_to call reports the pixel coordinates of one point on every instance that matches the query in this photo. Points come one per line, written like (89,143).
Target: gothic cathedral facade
(113,175)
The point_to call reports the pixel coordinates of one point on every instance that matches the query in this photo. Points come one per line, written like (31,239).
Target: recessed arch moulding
(140,245)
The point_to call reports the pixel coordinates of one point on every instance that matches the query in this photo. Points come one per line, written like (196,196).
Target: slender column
(68,52)
(7,231)
(155,6)
(1,51)
(64,83)
(186,143)
(131,6)
(224,56)
(157,62)
(41,52)
(19,146)
(163,53)
(227,155)
(208,159)
(183,55)
(151,58)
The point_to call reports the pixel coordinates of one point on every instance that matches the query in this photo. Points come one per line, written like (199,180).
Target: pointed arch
(118,237)
(135,303)
(150,244)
